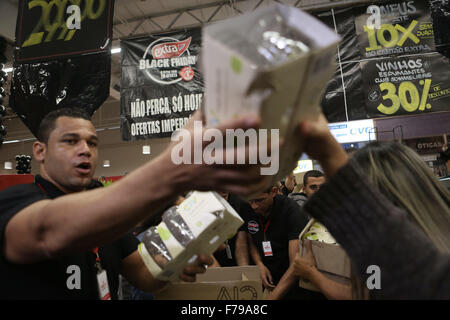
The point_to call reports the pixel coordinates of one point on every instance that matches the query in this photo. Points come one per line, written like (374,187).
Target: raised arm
(81,221)
(372,230)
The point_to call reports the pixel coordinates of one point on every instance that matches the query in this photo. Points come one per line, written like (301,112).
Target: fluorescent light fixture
(115,50)
(8,70)
(8,165)
(146,149)
(106,164)
(11,141)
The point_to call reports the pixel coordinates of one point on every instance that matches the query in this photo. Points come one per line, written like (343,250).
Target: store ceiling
(143,17)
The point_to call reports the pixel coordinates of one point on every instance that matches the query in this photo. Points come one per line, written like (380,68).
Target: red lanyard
(98,264)
(95,251)
(265,227)
(41,187)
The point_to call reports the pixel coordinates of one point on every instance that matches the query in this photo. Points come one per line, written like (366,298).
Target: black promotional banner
(440,13)
(62,57)
(51,29)
(388,62)
(344,97)
(160,85)
(406,85)
(405,27)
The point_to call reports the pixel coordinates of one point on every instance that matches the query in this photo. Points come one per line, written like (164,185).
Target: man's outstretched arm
(81,221)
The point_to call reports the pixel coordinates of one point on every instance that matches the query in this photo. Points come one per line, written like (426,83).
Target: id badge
(103,288)
(228,250)
(267,248)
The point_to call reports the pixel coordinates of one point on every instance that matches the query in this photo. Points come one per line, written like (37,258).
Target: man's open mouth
(84,167)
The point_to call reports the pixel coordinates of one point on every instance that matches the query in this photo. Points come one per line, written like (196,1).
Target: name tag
(228,250)
(267,248)
(103,288)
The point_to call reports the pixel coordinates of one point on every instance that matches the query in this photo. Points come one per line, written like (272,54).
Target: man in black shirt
(274,231)
(273,241)
(59,241)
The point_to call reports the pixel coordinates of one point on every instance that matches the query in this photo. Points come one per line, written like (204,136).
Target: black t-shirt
(51,279)
(244,209)
(284,223)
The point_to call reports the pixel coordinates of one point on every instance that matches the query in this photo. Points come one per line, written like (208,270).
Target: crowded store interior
(224,150)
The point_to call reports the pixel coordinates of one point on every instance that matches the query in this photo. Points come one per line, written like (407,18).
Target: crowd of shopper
(383,206)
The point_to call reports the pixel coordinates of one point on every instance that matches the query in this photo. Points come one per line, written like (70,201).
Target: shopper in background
(312,180)
(273,239)
(386,209)
(400,175)
(287,186)
(236,252)
(49,229)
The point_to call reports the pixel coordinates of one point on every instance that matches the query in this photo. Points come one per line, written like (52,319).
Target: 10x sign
(53,28)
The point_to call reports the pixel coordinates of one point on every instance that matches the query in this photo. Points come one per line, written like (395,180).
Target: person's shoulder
(284,201)
(299,198)
(297,195)
(15,198)
(288,206)
(20,190)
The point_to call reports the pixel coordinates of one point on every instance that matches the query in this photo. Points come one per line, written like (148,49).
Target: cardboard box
(331,260)
(236,82)
(210,219)
(227,283)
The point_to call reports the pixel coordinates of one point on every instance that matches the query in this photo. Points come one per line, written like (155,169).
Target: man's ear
(39,151)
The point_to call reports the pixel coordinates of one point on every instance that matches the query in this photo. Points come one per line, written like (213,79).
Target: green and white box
(275,62)
(209,218)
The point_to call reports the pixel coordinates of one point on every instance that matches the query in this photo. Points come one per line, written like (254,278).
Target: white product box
(244,74)
(209,218)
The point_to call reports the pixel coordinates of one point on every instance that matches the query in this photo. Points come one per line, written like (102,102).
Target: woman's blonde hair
(402,176)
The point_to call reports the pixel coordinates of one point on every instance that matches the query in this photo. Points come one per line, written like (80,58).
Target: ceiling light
(106,164)
(115,50)
(11,141)
(146,149)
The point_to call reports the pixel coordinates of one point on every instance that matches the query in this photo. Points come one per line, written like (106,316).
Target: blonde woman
(403,178)
(386,209)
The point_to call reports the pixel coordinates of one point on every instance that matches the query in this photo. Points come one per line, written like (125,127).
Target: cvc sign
(353,131)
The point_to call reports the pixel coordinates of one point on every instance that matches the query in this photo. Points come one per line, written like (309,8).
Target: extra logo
(169,61)
(170,49)
(253,227)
